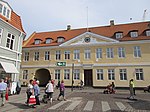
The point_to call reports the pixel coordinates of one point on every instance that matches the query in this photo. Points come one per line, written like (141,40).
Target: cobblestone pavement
(85,100)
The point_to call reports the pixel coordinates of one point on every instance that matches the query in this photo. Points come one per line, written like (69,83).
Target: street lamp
(72,76)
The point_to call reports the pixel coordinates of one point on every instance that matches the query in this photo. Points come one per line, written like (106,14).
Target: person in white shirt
(49,90)
(3,89)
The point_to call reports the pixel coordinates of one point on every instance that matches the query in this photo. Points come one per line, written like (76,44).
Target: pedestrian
(113,88)
(62,91)
(3,89)
(29,91)
(49,90)
(81,84)
(37,92)
(131,89)
(58,84)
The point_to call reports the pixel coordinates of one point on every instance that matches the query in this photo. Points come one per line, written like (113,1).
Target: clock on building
(87,39)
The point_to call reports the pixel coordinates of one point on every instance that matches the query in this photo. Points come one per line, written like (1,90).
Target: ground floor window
(25,74)
(57,74)
(76,74)
(111,74)
(139,74)
(99,73)
(67,74)
(123,74)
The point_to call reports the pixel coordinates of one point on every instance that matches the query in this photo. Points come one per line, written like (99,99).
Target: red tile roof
(107,31)
(15,21)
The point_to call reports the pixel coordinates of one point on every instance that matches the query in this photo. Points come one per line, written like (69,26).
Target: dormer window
(48,40)
(37,41)
(148,33)
(118,35)
(60,39)
(134,34)
(5,9)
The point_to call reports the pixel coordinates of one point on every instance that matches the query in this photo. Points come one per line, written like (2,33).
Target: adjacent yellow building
(97,55)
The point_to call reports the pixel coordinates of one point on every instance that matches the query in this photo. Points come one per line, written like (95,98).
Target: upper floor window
(76,54)
(119,35)
(99,53)
(121,52)
(58,55)
(67,54)
(148,33)
(137,51)
(37,41)
(60,39)
(25,74)
(26,56)
(87,53)
(47,55)
(134,34)
(10,41)
(67,74)
(5,10)
(36,56)
(99,73)
(110,53)
(139,74)
(48,40)
(1,31)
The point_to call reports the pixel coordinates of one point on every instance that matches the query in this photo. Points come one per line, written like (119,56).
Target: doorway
(88,79)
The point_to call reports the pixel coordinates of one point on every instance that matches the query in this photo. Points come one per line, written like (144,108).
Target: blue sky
(52,15)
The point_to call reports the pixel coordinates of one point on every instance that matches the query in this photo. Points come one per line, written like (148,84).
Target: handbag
(6,96)
(32,100)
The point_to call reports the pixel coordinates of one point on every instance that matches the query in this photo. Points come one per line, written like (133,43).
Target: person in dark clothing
(58,84)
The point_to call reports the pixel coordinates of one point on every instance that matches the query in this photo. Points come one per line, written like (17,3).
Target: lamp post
(72,76)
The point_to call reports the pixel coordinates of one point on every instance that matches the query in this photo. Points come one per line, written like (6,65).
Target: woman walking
(62,91)
(49,90)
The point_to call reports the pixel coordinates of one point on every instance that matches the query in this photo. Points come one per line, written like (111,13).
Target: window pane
(4,11)
(99,53)
(1,6)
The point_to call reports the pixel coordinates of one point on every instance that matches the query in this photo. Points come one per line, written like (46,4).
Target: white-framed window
(58,55)
(10,41)
(1,31)
(137,51)
(148,33)
(121,52)
(76,54)
(48,40)
(139,74)
(87,53)
(5,10)
(76,74)
(25,74)
(111,74)
(99,53)
(26,56)
(36,56)
(134,34)
(57,74)
(67,55)
(119,35)
(60,40)
(99,73)
(37,41)
(123,74)
(110,53)
(47,55)
(67,74)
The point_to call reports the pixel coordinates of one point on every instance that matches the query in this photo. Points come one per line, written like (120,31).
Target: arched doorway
(43,75)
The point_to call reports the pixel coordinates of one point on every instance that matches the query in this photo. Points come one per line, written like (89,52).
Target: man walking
(3,88)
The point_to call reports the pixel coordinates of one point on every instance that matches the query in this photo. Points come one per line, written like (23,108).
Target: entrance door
(88,79)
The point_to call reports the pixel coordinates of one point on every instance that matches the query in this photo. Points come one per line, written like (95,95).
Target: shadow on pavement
(20,105)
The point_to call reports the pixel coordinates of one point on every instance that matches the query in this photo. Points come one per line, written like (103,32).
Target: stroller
(45,98)
(109,90)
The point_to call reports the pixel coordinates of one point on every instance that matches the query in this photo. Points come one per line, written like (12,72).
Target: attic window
(60,39)
(48,40)
(37,41)
(118,35)
(148,33)
(134,34)
(5,10)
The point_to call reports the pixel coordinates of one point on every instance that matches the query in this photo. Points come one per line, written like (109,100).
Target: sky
(53,15)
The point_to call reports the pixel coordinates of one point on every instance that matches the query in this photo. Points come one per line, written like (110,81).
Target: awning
(9,67)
